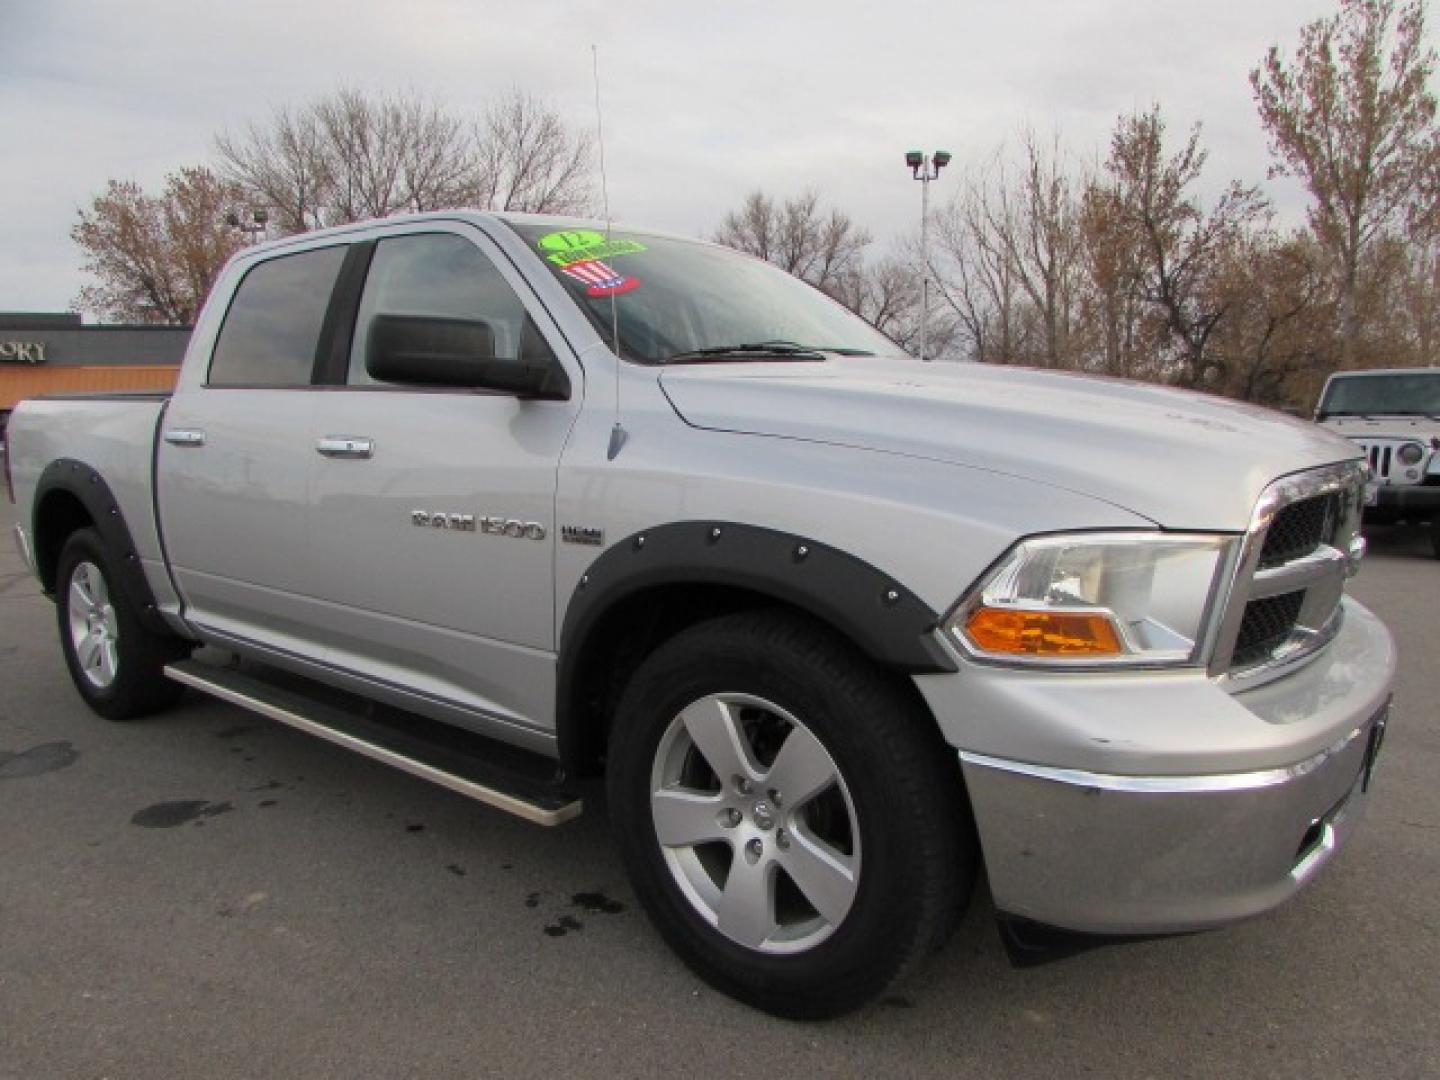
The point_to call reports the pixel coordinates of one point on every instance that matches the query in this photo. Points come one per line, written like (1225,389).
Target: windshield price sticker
(600,279)
(584,245)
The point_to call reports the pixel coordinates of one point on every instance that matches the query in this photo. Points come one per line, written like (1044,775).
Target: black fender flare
(888,622)
(89,488)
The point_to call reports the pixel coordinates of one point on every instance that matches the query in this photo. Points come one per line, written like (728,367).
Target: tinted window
(273,325)
(443,275)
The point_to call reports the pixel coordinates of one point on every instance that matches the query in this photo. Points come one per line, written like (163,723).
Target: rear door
(234,457)
(433,510)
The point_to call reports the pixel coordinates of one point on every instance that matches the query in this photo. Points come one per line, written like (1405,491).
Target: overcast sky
(703,102)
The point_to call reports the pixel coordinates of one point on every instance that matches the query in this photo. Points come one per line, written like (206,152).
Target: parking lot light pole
(254,228)
(925,169)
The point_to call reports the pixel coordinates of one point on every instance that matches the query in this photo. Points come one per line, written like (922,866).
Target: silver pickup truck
(511,502)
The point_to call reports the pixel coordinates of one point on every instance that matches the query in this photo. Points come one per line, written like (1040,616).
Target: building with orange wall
(59,354)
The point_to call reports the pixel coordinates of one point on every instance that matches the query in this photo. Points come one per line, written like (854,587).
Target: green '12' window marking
(582,245)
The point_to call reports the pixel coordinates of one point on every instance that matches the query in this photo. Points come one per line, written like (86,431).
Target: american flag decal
(600,279)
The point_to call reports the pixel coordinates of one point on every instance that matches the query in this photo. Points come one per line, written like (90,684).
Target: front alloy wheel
(789,816)
(756,824)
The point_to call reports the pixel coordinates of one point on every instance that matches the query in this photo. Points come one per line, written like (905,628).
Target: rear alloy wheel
(790,818)
(115,661)
(94,626)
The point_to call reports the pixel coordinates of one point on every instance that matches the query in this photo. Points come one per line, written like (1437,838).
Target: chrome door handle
(346,446)
(185,437)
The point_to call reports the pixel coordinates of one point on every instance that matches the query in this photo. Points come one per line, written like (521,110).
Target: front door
(433,511)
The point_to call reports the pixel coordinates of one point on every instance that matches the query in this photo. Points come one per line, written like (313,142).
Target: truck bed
(111,433)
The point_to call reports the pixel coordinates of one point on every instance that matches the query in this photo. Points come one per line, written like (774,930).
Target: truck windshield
(1395,394)
(683,301)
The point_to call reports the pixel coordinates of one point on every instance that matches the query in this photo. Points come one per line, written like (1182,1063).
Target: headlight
(1095,599)
(1410,453)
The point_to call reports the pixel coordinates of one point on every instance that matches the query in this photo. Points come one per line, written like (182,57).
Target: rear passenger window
(445,276)
(273,325)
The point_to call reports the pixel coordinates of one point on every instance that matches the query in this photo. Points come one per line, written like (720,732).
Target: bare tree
(1037,227)
(526,159)
(1278,335)
(753,228)
(1112,301)
(390,154)
(885,292)
(977,277)
(1011,267)
(1352,116)
(1417,290)
(1420,296)
(352,156)
(823,249)
(283,167)
(155,258)
(1181,243)
(827,249)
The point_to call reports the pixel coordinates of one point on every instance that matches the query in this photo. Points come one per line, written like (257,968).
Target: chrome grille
(1266,626)
(1284,602)
(1379,455)
(1298,529)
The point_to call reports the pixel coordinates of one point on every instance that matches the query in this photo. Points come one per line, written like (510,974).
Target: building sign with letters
(22,352)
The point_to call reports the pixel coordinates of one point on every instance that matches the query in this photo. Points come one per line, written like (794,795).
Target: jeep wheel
(115,662)
(790,819)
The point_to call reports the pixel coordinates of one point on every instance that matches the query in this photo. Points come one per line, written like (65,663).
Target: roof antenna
(618,434)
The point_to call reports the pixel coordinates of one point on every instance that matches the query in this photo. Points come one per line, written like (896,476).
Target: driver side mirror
(430,350)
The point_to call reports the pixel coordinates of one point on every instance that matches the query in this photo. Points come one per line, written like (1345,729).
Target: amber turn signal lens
(1043,633)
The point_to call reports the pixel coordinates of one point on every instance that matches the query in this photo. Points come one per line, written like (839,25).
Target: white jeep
(1394,416)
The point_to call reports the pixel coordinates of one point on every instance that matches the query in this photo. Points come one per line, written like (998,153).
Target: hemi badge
(582,534)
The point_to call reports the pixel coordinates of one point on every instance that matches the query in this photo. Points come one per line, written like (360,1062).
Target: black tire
(899,789)
(136,685)
(1435,535)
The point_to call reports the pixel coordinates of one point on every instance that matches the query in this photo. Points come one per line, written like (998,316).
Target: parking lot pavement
(209,894)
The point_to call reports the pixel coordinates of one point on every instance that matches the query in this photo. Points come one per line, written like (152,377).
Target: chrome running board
(454,759)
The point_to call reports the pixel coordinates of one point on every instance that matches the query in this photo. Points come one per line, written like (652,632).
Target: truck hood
(1182,460)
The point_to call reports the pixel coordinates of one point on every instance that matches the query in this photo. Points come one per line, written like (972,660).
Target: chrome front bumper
(1124,854)
(1134,842)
